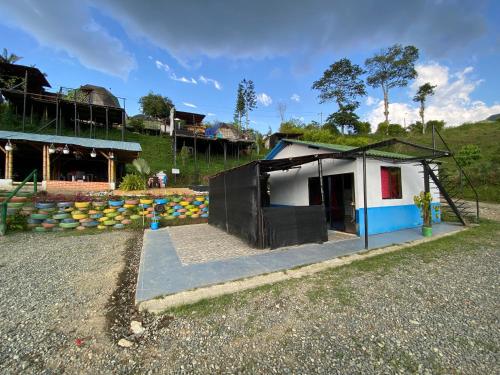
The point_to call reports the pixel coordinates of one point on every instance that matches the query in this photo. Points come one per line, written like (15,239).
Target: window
(391,182)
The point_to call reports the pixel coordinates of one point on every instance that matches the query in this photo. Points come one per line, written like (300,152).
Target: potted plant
(423,202)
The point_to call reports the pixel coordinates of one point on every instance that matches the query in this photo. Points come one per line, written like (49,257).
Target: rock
(136,327)
(124,343)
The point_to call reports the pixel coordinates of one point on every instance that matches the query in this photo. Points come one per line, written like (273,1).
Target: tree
(281,107)
(420,97)
(250,98)
(292,126)
(390,129)
(156,105)
(9,58)
(344,118)
(362,128)
(240,104)
(342,84)
(137,123)
(392,67)
(436,124)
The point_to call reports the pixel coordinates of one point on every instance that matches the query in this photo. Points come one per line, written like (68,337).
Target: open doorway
(338,196)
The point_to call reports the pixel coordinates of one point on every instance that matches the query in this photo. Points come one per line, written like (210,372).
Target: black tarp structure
(237,197)
(239,202)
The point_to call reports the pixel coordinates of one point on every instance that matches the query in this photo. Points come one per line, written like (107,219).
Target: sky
(196,51)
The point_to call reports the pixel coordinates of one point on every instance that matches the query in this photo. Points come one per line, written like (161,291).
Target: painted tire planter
(195,216)
(96,216)
(48,225)
(45,205)
(126,205)
(90,224)
(204,215)
(132,202)
(108,210)
(109,222)
(51,221)
(112,214)
(96,204)
(119,218)
(101,227)
(161,201)
(126,221)
(170,217)
(115,203)
(69,225)
(86,220)
(34,221)
(135,217)
(82,204)
(60,216)
(17,199)
(200,199)
(39,216)
(118,226)
(68,220)
(103,219)
(80,228)
(40,229)
(80,216)
(65,204)
(145,201)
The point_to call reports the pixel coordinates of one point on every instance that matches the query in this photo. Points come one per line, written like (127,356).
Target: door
(338,198)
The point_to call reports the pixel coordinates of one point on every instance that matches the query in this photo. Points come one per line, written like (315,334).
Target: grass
(333,286)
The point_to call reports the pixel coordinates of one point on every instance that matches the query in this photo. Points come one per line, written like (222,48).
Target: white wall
(291,187)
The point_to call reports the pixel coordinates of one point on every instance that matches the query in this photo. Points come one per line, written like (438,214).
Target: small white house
(391,186)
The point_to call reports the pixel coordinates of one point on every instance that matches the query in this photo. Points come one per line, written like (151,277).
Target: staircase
(450,183)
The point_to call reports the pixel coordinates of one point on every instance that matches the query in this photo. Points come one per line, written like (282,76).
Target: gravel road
(431,309)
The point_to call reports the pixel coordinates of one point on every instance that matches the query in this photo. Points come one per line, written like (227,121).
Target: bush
(133,182)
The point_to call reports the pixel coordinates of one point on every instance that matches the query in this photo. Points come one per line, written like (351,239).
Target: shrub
(133,182)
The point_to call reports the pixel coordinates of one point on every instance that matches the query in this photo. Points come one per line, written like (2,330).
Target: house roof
(34,74)
(77,141)
(331,147)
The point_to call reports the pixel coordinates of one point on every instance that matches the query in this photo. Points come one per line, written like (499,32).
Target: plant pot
(427,231)
(155,225)
(115,203)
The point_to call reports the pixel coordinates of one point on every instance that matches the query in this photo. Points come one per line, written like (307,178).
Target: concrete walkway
(161,272)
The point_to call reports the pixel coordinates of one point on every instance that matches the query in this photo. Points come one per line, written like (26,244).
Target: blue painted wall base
(391,218)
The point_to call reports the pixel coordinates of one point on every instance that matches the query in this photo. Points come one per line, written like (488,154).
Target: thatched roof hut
(100,96)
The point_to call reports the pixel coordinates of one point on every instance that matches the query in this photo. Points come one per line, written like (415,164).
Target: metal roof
(84,142)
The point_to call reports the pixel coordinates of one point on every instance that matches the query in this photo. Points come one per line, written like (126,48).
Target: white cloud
(162,66)
(212,81)
(182,79)
(264,99)
(68,26)
(370,100)
(211,114)
(190,105)
(295,98)
(452,100)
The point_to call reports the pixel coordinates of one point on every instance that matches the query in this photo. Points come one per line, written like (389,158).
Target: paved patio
(161,271)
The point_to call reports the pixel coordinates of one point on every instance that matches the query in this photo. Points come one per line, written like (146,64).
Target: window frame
(399,182)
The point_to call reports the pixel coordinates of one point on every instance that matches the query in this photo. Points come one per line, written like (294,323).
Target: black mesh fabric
(234,205)
(294,225)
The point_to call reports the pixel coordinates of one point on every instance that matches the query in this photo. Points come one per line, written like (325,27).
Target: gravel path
(430,309)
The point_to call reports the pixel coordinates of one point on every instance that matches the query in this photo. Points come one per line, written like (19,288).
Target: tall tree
(9,58)
(250,98)
(344,119)
(240,104)
(281,108)
(156,105)
(342,84)
(420,97)
(392,67)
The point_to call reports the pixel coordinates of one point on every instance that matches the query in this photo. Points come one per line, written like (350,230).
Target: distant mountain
(494,117)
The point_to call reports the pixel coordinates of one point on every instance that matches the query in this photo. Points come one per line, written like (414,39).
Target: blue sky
(196,52)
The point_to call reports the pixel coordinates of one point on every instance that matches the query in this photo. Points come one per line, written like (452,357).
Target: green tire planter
(39,216)
(135,217)
(15,204)
(39,229)
(427,231)
(61,216)
(112,214)
(109,222)
(69,225)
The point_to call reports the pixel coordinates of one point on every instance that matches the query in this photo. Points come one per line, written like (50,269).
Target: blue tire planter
(51,221)
(118,226)
(161,201)
(122,209)
(90,224)
(96,216)
(65,204)
(68,221)
(176,214)
(45,205)
(204,215)
(115,203)
(34,221)
(178,207)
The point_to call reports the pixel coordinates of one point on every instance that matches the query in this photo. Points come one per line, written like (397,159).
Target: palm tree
(9,58)
(420,97)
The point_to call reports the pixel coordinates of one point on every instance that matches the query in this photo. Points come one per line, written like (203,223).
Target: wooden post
(47,176)
(25,93)
(11,164)
(6,161)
